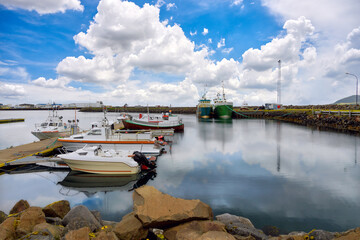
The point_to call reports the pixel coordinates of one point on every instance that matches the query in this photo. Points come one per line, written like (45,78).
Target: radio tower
(279,85)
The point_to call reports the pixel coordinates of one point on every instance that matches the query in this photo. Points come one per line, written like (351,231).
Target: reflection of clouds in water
(321,164)
(38,189)
(308,181)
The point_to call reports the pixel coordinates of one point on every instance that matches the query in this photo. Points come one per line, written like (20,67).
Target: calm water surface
(273,173)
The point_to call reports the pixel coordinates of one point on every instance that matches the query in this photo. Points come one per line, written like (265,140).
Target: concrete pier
(10,120)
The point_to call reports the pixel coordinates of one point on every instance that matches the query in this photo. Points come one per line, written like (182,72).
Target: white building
(98,104)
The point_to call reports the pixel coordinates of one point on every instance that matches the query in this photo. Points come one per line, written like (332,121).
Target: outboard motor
(144,179)
(142,160)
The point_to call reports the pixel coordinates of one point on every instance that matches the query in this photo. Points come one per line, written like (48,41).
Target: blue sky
(166,52)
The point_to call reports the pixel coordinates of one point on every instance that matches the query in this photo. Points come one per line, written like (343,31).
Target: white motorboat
(96,160)
(109,139)
(52,127)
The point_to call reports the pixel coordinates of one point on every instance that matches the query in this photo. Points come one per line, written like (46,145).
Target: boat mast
(148,112)
(223,90)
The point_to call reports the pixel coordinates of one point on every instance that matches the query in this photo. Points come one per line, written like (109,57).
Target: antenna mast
(223,90)
(279,85)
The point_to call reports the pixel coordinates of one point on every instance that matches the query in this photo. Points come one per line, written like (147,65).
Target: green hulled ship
(222,108)
(204,108)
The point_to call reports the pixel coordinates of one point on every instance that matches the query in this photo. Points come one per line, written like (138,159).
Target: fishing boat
(96,160)
(147,121)
(222,108)
(204,107)
(53,126)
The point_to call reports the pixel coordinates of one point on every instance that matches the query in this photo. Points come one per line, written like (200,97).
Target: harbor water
(273,173)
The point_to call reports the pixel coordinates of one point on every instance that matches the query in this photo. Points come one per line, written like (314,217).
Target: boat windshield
(95,132)
(44,124)
(52,124)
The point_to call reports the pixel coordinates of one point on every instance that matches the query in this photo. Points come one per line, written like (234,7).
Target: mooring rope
(51,144)
(237,112)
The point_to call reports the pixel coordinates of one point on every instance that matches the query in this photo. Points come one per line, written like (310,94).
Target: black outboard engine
(142,160)
(144,179)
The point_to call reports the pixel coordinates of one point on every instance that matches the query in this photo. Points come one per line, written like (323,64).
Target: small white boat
(52,127)
(96,160)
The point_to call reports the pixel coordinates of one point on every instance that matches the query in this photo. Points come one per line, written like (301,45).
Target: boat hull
(223,111)
(142,126)
(101,167)
(73,145)
(50,134)
(204,111)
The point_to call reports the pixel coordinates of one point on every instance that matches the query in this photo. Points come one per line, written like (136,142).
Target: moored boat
(163,121)
(96,160)
(204,108)
(53,126)
(110,139)
(222,108)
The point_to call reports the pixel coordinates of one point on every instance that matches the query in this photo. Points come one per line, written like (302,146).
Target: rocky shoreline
(155,215)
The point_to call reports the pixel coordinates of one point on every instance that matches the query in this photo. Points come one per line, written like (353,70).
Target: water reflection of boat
(90,183)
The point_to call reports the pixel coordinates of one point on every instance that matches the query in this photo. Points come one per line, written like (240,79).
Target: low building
(273,106)
(98,104)
(25,105)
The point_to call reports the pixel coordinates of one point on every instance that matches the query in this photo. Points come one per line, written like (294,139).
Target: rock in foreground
(158,210)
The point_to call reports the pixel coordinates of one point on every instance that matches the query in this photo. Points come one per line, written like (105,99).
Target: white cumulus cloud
(170,6)
(205,31)
(8,90)
(285,48)
(44,6)
(60,82)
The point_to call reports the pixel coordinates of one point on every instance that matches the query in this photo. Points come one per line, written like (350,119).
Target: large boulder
(29,219)
(54,221)
(353,234)
(227,218)
(130,228)
(216,236)
(239,226)
(97,215)
(79,217)
(8,229)
(20,206)
(106,236)
(193,230)
(158,210)
(57,209)
(55,231)
(3,216)
(321,235)
(79,234)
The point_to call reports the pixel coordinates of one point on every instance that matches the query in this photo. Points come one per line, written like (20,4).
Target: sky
(171,52)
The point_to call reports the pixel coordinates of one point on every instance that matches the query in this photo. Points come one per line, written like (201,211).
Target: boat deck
(17,155)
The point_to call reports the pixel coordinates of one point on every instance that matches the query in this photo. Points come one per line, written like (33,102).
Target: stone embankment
(155,215)
(342,123)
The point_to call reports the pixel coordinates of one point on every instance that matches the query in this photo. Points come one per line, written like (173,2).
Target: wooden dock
(10,155)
